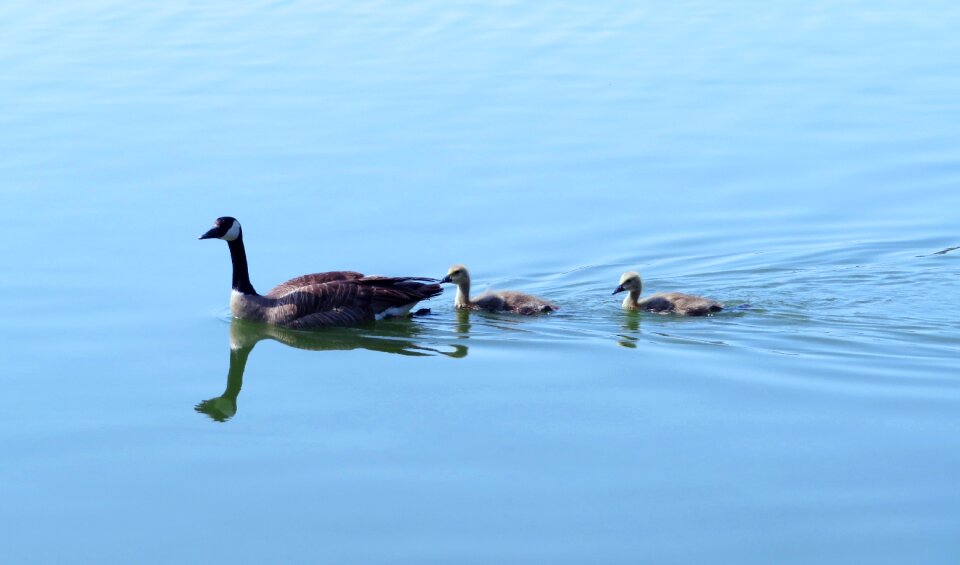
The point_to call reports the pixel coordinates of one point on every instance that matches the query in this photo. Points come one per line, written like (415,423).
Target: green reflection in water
(631,327)
(402,337)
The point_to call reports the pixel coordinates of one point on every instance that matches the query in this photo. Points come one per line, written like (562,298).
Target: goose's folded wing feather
(352,301)
(297,283)
(334,303)
(389,292)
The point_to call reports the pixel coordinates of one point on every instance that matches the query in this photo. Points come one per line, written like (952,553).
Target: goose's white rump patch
(395,312)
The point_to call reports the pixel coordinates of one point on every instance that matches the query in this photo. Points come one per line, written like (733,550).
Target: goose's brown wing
(352,301)
(293,284)
(394,292)
(334,303)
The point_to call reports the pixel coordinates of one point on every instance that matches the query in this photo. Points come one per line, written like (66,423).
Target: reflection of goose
(223,407)
(338,298)
(665,302)
(392,337)
(501,301)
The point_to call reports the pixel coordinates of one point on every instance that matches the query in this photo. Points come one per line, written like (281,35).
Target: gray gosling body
(490,301)
(336,298)
(663,302)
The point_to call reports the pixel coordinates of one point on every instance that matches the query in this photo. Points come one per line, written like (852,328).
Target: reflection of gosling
(503,301)
(664,302)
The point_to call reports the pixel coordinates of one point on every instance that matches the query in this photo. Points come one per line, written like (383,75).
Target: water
(798,161)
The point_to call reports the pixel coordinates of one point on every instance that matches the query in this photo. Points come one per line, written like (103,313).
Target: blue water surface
(799,161)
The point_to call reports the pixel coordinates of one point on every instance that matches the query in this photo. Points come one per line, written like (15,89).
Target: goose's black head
(225,228)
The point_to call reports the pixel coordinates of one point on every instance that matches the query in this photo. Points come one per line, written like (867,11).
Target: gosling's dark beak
(619,289)
(446,279)
(211,234)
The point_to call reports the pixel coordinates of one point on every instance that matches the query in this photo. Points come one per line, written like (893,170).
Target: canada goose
(503,301)
(663,302)
(338,298)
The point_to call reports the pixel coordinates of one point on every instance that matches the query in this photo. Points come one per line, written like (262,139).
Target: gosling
(502,301)
(664,302)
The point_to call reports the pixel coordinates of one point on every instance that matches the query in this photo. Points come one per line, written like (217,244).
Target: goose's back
(293,284)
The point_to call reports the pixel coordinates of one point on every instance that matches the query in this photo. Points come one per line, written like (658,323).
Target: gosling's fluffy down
(491,301)
(663,302)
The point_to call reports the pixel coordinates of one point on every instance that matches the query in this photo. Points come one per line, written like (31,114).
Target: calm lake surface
(799,161)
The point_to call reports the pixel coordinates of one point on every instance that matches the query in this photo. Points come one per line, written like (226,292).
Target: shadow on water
(396,337)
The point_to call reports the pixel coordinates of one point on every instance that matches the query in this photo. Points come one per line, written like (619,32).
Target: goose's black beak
(619,289)
(446,279)
(211,233)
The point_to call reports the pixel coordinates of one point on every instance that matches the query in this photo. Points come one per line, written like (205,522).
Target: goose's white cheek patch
(233,233)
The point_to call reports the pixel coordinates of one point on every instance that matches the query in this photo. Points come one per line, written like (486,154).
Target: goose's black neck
(241,276)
